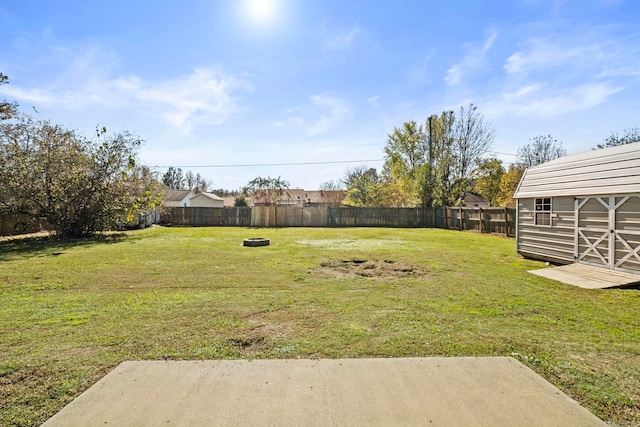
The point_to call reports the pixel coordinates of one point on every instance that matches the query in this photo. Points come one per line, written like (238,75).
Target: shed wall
(553,243)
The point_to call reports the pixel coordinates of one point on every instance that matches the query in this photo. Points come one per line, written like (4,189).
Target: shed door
(608,232)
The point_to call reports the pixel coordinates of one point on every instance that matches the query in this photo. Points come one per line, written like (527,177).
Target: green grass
(70,312)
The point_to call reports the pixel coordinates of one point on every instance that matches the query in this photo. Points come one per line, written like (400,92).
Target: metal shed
(583,208)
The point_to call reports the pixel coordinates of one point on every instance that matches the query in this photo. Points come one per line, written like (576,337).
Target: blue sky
(255,82)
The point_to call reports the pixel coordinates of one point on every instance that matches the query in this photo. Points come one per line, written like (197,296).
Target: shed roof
(613,170)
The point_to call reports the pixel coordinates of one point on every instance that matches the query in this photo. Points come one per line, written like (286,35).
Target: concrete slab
(436,391)
(588,277)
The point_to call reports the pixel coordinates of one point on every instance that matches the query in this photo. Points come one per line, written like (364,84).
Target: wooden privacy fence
(491,220)
(206,217)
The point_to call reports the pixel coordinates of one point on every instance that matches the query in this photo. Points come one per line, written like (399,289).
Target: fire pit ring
(256,241)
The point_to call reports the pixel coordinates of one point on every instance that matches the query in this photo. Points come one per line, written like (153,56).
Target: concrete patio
(438,391)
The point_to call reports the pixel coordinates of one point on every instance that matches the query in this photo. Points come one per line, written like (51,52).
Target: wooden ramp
(586,276)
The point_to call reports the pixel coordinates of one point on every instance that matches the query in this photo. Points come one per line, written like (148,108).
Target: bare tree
(459,143)
(542,149)
(332,193)
(471,139)
(266,191)
(629,136)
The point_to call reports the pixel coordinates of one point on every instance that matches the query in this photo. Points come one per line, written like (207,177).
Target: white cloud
(538,100)
(474,59)
(584,50)
(205,96)
(36,96)
(542,54)
(338,111)
(208,95)
(341,41)
(374,101)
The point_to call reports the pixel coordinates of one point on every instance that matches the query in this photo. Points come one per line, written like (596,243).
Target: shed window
(543,211)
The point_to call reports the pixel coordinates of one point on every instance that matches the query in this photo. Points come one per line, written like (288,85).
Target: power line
(271,164)
(505,154)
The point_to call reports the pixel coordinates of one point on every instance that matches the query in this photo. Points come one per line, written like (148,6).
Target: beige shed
(583,208)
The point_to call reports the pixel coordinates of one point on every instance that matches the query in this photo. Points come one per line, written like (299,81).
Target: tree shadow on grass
(39,245)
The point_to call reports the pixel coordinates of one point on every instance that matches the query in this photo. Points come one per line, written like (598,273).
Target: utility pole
(431,117)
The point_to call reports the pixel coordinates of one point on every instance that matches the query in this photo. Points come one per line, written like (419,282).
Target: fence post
(481,218)
(506,221)
(446,218)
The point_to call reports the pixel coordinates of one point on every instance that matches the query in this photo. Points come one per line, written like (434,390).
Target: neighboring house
(473,200)
(177,198)
(302,198)
(583,208)
(229,201)
(206,200)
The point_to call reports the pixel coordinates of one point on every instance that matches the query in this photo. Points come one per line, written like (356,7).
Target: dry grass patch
(375,269)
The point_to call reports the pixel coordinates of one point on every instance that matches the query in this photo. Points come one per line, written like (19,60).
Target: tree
(7,109)
(144,189)
(79,186)
(240,201)
(443,185)
(174,179)
(629,136)
(458,144)
(405,166)
(508,185)
(266,191)
(541,150)
(190,180)
(471,139)
(201,185)
(488,180)
(331,193)
(363,186)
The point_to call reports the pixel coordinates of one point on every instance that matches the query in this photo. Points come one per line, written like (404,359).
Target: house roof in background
(473,199)
(310,196)
(229,201)
(208,195)
(175,195)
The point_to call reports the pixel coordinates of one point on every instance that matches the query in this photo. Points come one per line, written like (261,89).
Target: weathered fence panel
(203,217)
(289,216)
(490,220)
(378,217)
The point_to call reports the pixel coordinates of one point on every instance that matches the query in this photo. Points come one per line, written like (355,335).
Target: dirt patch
(378,269)
(250,343)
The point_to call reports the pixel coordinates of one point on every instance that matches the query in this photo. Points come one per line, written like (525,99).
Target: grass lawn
(70,312)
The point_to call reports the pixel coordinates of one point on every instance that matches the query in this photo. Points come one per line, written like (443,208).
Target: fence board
(206,217)
(491,220)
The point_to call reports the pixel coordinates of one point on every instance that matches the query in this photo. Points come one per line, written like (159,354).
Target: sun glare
(261,12)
